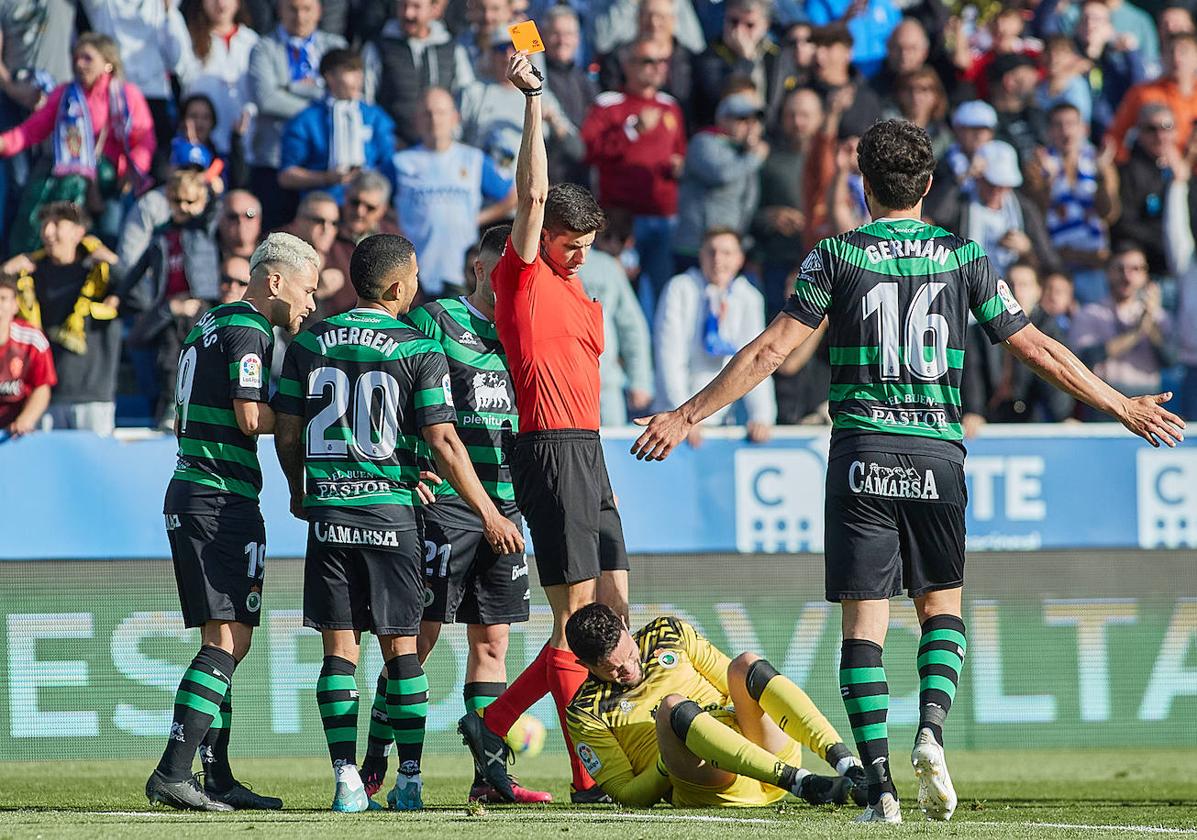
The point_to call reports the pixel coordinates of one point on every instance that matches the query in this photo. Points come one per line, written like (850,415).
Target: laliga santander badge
(526,37)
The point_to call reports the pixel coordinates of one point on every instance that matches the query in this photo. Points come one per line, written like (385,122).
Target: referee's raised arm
(532,165)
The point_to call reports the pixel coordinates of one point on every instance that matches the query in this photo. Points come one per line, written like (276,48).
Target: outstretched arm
(745,371)
(532,165)
(1051,360)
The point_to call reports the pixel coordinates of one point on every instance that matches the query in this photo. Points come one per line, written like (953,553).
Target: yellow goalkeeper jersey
(612,727)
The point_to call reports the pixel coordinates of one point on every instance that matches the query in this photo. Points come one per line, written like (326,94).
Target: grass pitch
(1026,794)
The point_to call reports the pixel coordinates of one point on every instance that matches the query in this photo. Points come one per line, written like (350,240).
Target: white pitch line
(1138,829)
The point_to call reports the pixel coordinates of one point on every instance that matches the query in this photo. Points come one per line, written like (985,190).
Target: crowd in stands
(146,146)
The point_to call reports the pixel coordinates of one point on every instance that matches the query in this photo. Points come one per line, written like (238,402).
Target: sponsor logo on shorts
(172,522)
(348,535)
(892,482)
(428,597)
(589,759)
(253,601)
(519,571)
(250,371)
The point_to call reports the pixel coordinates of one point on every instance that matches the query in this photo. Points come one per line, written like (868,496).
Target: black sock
(214,751)
(477,696)
(197,702)
(407,707)
(336,692)
(941,656)
(866,699)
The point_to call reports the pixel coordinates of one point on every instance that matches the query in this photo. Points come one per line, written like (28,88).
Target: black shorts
(466,582)
(363,579)
(893,521)
(562,489)
(220,563)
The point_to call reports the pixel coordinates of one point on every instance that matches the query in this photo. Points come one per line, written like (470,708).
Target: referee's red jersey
(553,334)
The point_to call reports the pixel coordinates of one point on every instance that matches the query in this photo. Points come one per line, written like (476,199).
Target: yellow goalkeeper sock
(728,750)
(793,711)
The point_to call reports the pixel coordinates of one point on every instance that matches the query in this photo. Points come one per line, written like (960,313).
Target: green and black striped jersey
(224,358)
(487,420)
(364,384)
(897,294)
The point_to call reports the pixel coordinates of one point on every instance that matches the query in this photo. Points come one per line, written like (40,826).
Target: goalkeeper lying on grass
(665,715)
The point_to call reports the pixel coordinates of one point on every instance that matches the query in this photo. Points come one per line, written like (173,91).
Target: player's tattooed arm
(288,446)
(1144,416)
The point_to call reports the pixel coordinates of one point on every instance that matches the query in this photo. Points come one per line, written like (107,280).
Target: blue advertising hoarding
(72,495)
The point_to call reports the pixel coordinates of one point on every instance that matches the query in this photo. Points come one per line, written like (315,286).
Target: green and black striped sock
(407,707)
(197,703)
(941,656)
(336,692)
(380,738)
(866,699)
(477,696)
(214,751)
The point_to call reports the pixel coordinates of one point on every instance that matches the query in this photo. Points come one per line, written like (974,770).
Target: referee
(896,294)
(553,334)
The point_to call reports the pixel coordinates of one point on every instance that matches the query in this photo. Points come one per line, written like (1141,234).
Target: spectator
(1178,243)
(704,317)
(907,50)
(240,227)
(995,388)
(1004,37)
(26,368)
(97,106)
(1020,120)
(1134,28)
(325,144)
(1077,189)
(616,23)
(780,221)
(870,21)
(1142,184)
(1124,338)
(1066,80)
(572,86)
(922,100)
(29,42)
(138,29)
(1058,300)
(351,19)
(744,51)
(234,279)
(719,186)
(445,192)
(484,17)
(1116,66)
(1174,18)
(62,290)
(636,141)
(795,66)
(367,200)
(1002,220)
(209,50)
(834,72)
(316,224)
(625,365)
(657,23)
(413,52)
(491,107)
(1176,90)
(284,79)
(955,178)
(832,186)
(182,270)
(193,146)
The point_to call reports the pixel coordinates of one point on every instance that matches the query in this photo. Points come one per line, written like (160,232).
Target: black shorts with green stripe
(220,563)
(893,521)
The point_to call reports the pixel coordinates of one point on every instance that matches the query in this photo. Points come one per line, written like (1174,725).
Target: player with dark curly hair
(897,293)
